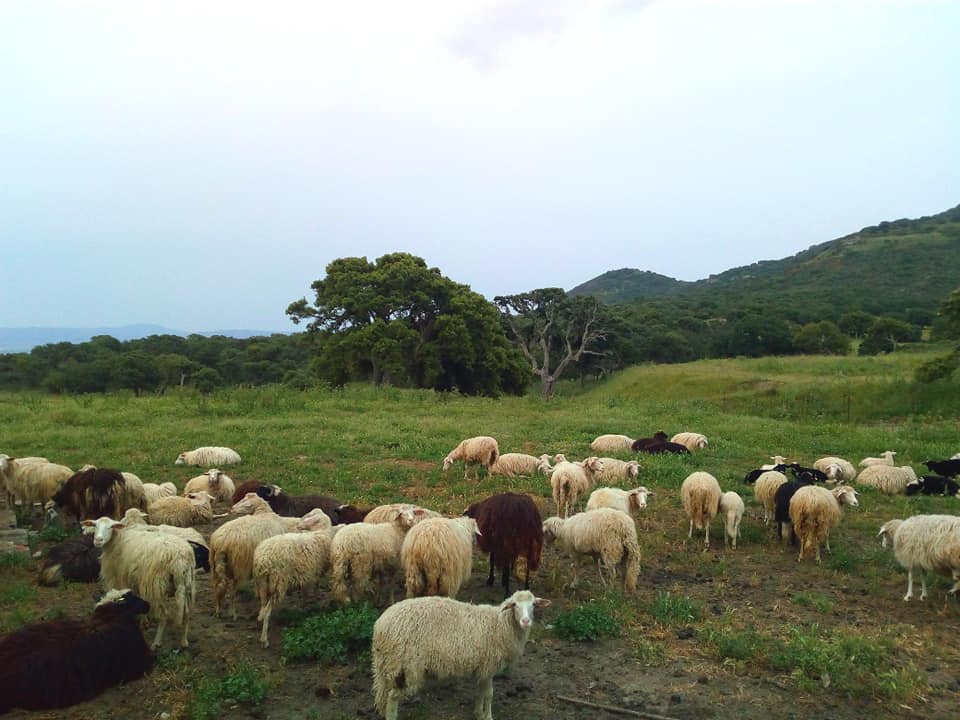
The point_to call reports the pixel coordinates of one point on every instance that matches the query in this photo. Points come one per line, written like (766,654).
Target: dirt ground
(687,683)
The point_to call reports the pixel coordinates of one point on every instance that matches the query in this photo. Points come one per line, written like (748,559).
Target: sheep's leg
(393,704)
(706,535)
(603,580)
(265,617)
(484,706)
(909,584)
(923,585)
(955,575)
(818,553)
(690,534)
(828,544)
(507,568)
(490,578)
(526,579)
(158,639)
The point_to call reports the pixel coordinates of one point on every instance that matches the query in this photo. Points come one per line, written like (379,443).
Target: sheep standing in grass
(611,443)
(480,450)
(442,638)
(836,469)
(90,493)
(627,501)
(690,440)
(512,464)
(134,496)
(437,556)
(615,470)
(362,550)
(510,530)
(214,481)
(605,534)
(7,474)
(209,456)
(195,509)
(925,543)
(136,519)
(814,510)
(731,508)
(30,481)
(570,481)
(765,490)
(887,478)
(153,492)
(700,494)
(886,458)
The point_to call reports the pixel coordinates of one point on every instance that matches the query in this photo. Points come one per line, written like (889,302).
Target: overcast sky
(197,164)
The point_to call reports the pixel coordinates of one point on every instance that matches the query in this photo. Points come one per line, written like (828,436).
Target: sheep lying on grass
(214,481)
(836,469)
(887,478)
(512,464)
(615,470)
(211,456)
(194,509)
(690,440)
(886,458)
(611,443)
(153,492)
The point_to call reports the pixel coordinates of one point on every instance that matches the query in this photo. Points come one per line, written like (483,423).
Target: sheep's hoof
(906,598)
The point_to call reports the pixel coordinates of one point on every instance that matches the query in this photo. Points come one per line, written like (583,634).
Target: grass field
(840,629)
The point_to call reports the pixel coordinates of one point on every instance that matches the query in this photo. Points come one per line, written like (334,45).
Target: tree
(821,338)
(174,368)
(855,324)
(206,380)
(885,334)
(754,336)
(949,313)
(552,330)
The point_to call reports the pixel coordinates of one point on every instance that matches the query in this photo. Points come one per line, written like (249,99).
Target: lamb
(389,513)
(209,456)
(30,481)
(214,481)
(292,560)
(437,556)
(700,494)
(136,519)
(814,510)
(481,450)
(572,480)
(153,492)
(232,546)
(926,542)
(159,567)
(933,485)
(887,478)
(91,493)
(195,509)
(611,444)
(512,464)
(626,501)
(509,528)
(64,662)
(362,550)
(606,534)
(642,443)
(886,458)
(731,508)
(443,638)
(765,490)
(690,440)
(618,470)
(946,468)
(836,469)
(75,559)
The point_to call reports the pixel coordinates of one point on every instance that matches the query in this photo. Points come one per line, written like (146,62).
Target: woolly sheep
(209,456)
(214,481)
(611,443)
(7,483)
(480,450)
(153,492)
(690,440)
(765,490)
(814,510)
(511,531)
(627,501)
(389,513)
(195,509)
(442,638)
(30,481)
(571,480)
(836,469)
(136,519)
(618,470)
(159,567)
(700,494)
(886,458)
(89,494)
(437,556)
(926,542)
(887,478)
(75,559)
(606,534)
(511,464)
(731,508)
(291,560)
(777,460)
(362,550)
(133,492)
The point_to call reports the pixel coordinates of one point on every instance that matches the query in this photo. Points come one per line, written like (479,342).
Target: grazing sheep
(925,543)
(933,485)
(642,443)
(814,510)
(30,481)
(437,556)
(571,480)
(605,534)
(153,492)
(61,663)
(214,481)
(700,494)
(389,513)
(618,470)
(611,443)
(159,567)
(481,450)
(210,456)
(887,478)
(250,486)
(886,458)
(292,560)
(627,501)
(836,469)
(232,546)
(442,638)
(91,493)
(888,530)
(74,559)
(195,509)
(510,528)
(512,464)
(946,468)
(362,550)
(765,490)
(731,508)
(690,440)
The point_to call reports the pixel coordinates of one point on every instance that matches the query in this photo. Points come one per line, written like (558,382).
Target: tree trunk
(547,382)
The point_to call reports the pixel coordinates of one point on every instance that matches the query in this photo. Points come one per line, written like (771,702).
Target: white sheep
(765,490)
(153,491)
(571,480)
(889,479)
(606,534)
(836,469)
(700,494)
(731,508)
(437,556)
(209,456)
(926,542)
(886,458)
(291,560)
(615,470)
(195,509)
(480,450)
(814,510)
(690,440)
(232,546)
(627,501)
(7,474)
(511,464)
(442,638)
(30,481)
(777,460)
(389,513)
(214,481)
(361,550)
(611,443)
(159,567)
(136,519)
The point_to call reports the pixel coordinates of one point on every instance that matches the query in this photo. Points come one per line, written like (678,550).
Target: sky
(197,165)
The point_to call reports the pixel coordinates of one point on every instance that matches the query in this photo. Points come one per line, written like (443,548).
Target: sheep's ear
(509,605)
(87,523)
(541,602)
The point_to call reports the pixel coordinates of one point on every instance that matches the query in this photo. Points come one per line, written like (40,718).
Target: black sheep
(299,505)
(510,526)
(642,443)
(665,447)
(932,485)
(946,468)
(73,559)
(751,477)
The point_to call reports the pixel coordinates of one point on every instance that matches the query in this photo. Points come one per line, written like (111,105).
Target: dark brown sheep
(510,526)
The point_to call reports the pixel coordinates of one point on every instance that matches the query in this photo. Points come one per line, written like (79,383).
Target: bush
(938,368)
(587,622)
(331,637)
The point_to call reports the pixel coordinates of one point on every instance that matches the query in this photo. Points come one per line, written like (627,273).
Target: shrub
(331,637)
(244,685)
(591,621)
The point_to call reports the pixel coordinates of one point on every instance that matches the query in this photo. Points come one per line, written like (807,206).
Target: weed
(13,560)
(669,609)
(245,685)
(648,653)
(591,621)
(332,636)
(818,601)
(54,532)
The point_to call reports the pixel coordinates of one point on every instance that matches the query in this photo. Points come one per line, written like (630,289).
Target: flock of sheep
(139,539)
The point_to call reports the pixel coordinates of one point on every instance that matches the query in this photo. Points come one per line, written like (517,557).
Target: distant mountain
(890,268)
(23,339)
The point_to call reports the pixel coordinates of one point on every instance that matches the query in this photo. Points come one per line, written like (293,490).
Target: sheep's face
(249,503)
(846,495)
(200,498)
(102,529)
(134,516)
(638,498)
(127,599)
(213,477)
(701,442)
(447,463)
(50,510)
(522,603)
(181,459)
(550,527)
(633,469)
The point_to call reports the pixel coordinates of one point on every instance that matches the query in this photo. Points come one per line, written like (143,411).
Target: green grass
(593,620)
(333,636)
(244,686)
(669,609)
